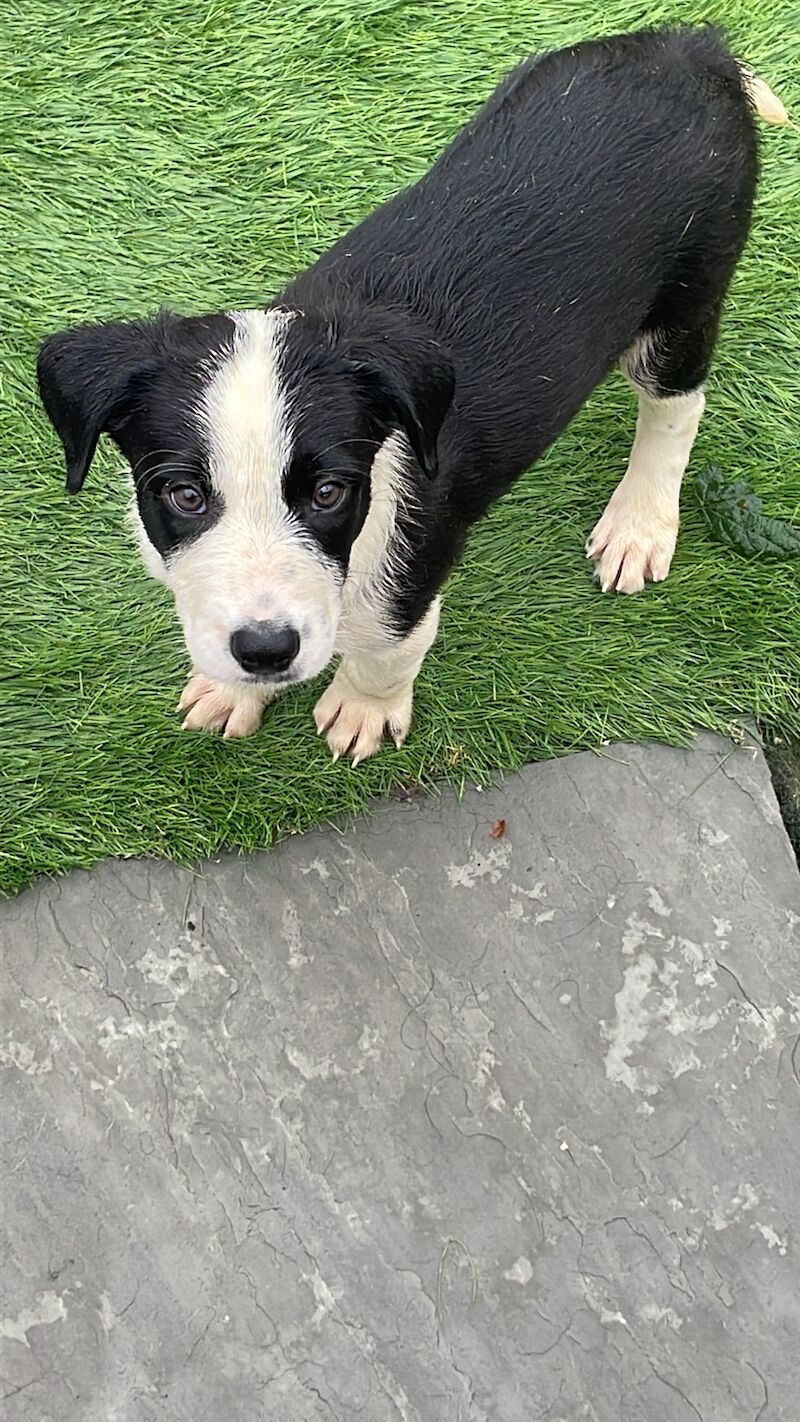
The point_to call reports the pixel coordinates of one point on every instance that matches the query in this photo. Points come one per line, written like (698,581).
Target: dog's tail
(766,104)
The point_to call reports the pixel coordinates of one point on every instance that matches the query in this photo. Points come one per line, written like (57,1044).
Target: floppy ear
(409,382)
(88,376)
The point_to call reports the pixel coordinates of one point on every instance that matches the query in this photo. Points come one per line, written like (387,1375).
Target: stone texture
(409,1122)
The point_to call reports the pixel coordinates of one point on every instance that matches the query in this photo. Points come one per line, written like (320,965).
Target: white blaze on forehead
(245,413)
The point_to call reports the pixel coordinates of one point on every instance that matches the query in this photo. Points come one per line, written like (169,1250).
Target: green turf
(197,154)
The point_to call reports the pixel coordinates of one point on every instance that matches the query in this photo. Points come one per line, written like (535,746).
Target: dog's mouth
(286,678)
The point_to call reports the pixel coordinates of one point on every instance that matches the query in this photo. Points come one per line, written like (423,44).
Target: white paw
(355,724)
(215,706)
(632,545)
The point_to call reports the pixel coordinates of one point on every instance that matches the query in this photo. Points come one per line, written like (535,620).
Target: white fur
(635,538)
(372,691)
(236,711)
(766,104)
(364,625)
(256,563)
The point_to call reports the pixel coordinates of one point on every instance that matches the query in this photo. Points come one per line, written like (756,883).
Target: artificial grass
(196,155)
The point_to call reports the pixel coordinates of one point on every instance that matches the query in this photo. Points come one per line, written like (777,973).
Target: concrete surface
(412,1123)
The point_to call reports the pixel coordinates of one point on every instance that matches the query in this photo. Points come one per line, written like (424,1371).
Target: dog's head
(251,439)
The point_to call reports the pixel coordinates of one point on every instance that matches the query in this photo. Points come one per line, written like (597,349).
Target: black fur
(355,387)
(138,382)
(603,192)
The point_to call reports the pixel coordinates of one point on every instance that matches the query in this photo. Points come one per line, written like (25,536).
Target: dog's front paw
(356,724)
(632,545)
(216,706)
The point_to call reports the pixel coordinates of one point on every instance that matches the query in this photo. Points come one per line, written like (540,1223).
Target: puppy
(305,475)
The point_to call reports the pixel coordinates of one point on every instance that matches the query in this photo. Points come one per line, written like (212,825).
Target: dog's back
(591,187)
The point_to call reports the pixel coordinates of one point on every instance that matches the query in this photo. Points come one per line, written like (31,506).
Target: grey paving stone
(409,1122)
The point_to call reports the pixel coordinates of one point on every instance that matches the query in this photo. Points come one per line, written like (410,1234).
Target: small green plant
(735,516)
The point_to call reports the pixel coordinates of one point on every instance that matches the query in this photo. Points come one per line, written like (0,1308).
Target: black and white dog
(306,475)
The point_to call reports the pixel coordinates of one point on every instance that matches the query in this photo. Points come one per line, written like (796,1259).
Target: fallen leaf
(498,829)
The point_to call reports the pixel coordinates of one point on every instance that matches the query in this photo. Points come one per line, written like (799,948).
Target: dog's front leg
(372,692)
(209,705)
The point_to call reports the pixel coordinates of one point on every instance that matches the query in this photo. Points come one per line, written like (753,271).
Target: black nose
(265,647)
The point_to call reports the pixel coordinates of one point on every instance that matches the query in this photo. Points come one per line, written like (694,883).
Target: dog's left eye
(327,495)
(187,499)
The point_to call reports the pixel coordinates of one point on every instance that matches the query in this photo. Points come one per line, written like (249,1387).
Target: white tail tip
(766,104)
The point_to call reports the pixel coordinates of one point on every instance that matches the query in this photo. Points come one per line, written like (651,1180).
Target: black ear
(88,377)
(408,380)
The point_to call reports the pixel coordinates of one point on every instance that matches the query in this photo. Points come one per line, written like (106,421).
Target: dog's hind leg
(635,539)
(667,364)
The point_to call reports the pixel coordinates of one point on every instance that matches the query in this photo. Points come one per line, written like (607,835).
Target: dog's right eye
(186,499)
(327,495)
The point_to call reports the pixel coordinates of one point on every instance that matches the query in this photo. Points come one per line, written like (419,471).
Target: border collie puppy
(305,475)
